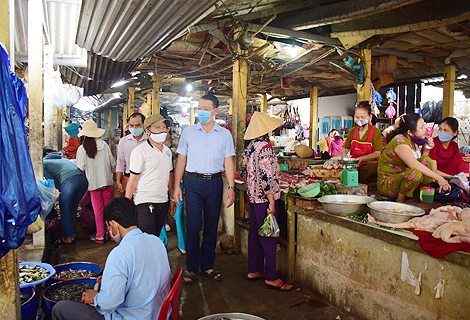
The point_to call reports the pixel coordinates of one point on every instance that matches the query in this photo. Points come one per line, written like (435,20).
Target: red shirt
(442,155)
(72,146)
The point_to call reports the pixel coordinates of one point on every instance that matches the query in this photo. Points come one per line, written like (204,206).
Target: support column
(131,100)
(10,306)
(124,118)
(230,107)
(313,117)
(239,95)
(35,80)
(48,94)
(156,94)
(59,123)
(264,103)
(363,90)
(110,126)
(449,86)
(191,118)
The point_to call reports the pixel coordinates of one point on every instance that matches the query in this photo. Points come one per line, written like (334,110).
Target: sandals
(214,276)
(183,252)
(95,240)
(281,286)
(263,276)
(188,275)
(61,242)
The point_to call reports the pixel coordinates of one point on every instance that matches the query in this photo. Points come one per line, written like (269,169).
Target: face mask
(361,123)
(117,237)
(444,137)
(419,141)
(158,137)
(136,131)
(204,116)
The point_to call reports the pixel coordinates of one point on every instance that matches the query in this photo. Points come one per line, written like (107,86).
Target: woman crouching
(402,168)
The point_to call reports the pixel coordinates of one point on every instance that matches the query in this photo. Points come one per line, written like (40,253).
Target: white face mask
(158,137)
(117,237)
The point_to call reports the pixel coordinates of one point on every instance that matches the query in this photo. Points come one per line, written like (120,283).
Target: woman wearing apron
(364,142)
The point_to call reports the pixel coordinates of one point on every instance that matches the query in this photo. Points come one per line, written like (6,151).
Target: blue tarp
(19,201)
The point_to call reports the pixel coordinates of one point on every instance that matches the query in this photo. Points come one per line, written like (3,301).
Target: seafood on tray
(450,223)
(33,273)
(70,291)
(74,274)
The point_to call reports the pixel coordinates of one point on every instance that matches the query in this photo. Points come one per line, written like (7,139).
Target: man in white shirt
(150,178)
(125,147)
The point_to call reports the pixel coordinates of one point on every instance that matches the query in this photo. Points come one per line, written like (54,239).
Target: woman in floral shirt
(402,169)
(259,172)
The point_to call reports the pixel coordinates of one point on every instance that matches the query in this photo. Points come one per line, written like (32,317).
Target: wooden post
(59,123)
(156,94)
(191,118)
(124,118)
(48,94)
(239,95)
(291,241)
(131,100)
(35,80)
(10,303)
(449,86)
(313,117)
(110,126)
(363,90)
(264,103)
(230,107)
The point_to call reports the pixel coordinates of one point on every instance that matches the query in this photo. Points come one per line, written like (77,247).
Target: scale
(349,176)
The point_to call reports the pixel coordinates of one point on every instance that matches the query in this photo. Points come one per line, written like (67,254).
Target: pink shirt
(335,147)
(125,147)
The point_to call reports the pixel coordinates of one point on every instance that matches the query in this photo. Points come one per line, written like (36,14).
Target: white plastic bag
(47,195)
(274,227)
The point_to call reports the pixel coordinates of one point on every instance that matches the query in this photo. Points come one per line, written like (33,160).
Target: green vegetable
(265,230)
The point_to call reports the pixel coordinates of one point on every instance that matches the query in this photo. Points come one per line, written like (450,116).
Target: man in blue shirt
(205,150)
(134,283)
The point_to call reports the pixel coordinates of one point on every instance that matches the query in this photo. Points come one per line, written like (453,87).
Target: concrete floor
(233,294)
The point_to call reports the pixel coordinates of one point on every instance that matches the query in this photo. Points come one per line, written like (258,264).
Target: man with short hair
(205,151)
(134,283)
(150,177)
(125,147)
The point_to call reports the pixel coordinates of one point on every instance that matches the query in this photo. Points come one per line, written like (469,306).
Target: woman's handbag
(455,194)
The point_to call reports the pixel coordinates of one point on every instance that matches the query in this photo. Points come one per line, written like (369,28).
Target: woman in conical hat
(259,172)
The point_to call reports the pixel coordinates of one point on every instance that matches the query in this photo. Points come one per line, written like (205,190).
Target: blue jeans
(71,192)
(202,195)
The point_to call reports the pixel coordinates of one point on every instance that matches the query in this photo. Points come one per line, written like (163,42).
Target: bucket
(29,305)
(48,304)
(231,316)
(74,266)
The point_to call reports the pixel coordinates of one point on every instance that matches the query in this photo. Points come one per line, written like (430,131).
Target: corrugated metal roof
(61,21)
(129,30)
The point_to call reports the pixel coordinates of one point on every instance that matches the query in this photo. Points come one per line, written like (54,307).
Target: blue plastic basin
(48,304)
(74,266)
(29,307)
(46,266)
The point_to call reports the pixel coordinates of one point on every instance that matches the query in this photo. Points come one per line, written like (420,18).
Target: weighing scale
(349,176)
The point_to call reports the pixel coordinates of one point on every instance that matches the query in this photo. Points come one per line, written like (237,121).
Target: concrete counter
(372,272)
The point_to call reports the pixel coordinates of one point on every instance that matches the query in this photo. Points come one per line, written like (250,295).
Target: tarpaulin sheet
(19,201)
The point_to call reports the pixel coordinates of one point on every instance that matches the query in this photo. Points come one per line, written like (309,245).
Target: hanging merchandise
(391,111)
(19,200)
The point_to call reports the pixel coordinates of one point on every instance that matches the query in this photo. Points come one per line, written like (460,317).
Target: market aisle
(233,294)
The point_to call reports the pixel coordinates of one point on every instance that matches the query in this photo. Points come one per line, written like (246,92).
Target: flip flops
(61,242)
(281,286)
(263,276)
(188,275)
(214,276)
(93,239)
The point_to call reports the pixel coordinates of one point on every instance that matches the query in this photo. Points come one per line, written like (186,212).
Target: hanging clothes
(19,200)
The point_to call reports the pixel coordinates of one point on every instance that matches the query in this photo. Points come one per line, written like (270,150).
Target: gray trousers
(70,310)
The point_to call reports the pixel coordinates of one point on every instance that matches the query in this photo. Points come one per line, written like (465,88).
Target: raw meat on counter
(451,224)
(287,180)
(335,165)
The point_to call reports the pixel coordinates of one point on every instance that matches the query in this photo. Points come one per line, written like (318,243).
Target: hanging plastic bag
(270,227)
(48,195)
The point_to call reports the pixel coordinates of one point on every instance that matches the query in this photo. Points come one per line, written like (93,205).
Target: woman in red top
(446,151)
(74,141)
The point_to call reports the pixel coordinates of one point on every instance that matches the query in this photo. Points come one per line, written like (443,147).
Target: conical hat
(260,124)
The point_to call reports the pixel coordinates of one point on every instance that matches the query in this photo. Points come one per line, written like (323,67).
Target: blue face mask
(136,131)
(444,137)
(204,116)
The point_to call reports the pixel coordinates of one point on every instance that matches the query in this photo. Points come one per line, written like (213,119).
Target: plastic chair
(172,298)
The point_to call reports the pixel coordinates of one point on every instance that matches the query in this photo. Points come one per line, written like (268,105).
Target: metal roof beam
(397,53)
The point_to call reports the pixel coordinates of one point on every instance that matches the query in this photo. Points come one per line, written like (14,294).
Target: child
(334,149)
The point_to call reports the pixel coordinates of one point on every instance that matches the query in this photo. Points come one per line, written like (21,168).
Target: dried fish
(74,274)
(32,273)
(70,291)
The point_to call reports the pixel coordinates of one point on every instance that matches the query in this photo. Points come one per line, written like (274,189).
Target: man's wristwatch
(233,188)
